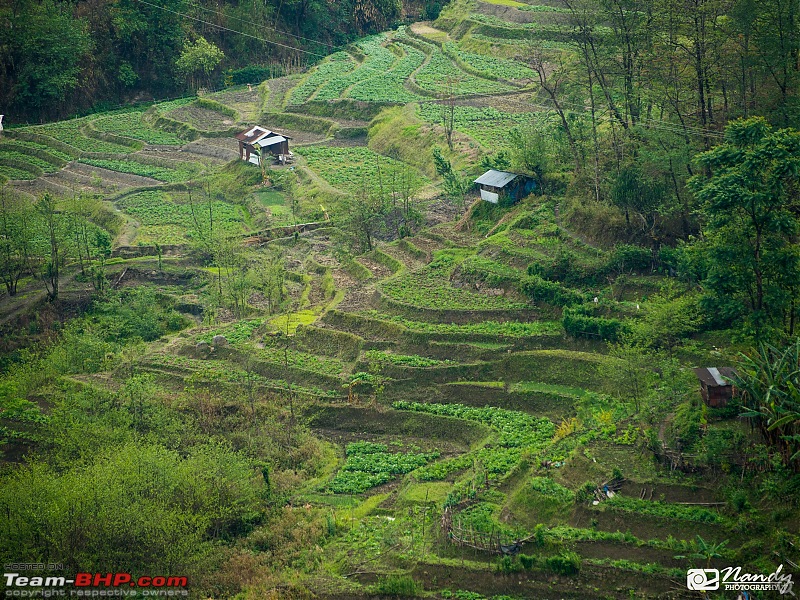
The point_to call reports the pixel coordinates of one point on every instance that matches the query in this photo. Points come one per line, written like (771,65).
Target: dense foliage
(57,58)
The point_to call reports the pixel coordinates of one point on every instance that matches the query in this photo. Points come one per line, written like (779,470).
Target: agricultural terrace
(359,393)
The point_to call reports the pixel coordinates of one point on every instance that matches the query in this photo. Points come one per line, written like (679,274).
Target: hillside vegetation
(349,377)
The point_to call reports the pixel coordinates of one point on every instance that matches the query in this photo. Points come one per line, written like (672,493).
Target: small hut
(256,143)
(715,385)
(502,185)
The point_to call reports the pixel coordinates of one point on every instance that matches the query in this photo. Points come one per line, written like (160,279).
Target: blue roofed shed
(502,185)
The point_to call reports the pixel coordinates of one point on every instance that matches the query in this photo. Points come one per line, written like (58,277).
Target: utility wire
(662,125)
(255,37)
(299,37)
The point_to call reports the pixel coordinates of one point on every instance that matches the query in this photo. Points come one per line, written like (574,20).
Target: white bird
(596,300)
(1,122)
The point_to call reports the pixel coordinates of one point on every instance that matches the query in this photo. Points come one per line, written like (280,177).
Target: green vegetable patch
(369,464)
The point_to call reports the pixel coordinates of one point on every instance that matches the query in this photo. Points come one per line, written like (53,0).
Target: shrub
(566,563)
(627,257)
(542,290)
(527,562)
(250,74)
(508,564)
(578,324)
(399,585)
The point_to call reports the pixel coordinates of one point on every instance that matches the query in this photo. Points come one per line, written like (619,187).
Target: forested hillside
(341,373)
(60,58)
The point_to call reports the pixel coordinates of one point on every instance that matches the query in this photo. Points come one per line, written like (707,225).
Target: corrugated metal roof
(496,178)
(714,376)
(269,141)
(253,132)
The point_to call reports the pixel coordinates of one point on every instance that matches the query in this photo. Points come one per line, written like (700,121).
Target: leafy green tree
(667,320)
(375,15)
(499,161)
(455,186)
(268,274)
(54,230)
(47,47)
(149,39)
(365,218)
(16,230)
(198,60)
(530,153)
(631,375)
(633,191)
(751,215)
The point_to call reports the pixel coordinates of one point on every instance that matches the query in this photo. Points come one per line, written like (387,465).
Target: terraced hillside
(445,410)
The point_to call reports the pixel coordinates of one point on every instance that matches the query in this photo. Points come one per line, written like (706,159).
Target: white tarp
(489,197)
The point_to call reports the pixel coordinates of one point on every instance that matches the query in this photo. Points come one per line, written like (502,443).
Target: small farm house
(258,143)
(501,185)
(715,385)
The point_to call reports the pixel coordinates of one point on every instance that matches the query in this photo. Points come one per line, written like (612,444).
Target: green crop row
(238,332)
(352,168)
(224,371)
(335,66)
(402,359)
(369,464)
(388,87)
(444,468)
(517,429)
(377,61)
(71,132)
(154,207)
(506,329)
(488,66)
(276,353)
(131,125)
(36,147)
(429,288)
(6,153)
(169,175)
(486,125)
(15,173)
(440,75)
(665,509)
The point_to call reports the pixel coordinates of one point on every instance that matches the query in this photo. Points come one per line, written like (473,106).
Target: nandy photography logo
(732,578)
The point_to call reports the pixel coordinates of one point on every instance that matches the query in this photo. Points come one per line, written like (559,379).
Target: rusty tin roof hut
(715,385)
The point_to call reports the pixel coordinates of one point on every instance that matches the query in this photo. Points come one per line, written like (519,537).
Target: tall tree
(197,61)
(54,231)
(752,219)
(16,231)
(44,47)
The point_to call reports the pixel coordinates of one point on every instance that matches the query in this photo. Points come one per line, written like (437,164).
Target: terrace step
(214,152)
(428,245)
(403,255)
(170,155)
(245,102)
(378,270)
(23,189)
(70,178)
(41,185)
(124,179)
(358,298)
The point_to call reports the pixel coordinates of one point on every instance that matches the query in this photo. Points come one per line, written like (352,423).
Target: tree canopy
(751,210)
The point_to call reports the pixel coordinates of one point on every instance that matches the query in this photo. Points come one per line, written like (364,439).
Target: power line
(299,37)
(255,37)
